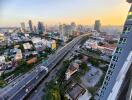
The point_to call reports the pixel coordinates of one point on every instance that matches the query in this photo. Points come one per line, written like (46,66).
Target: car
(37,70)
(35,91)
(44,68)
(37,77)
(28,89)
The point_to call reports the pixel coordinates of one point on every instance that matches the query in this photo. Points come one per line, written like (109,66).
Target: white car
(44,68)
(27,90)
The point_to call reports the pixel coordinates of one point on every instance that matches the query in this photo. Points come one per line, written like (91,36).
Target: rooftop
(73,66)
(75,91)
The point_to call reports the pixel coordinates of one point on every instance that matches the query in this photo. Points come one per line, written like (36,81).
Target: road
(39,93)
(28,83)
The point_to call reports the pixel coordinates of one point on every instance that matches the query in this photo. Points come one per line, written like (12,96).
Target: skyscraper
(73,27)
(120,63)
(31,26)
(23,28)
(61,31)
(97,25)
(35,29)
(64,30)
(41,28)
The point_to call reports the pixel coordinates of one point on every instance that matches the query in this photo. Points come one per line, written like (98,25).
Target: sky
(110,12)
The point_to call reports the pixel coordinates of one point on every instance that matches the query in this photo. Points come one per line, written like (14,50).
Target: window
(126,30)
(109,71)
(122,41)
(129,17)
(112,66)
(118,50)
(107,78)
(105,82)
(115,58)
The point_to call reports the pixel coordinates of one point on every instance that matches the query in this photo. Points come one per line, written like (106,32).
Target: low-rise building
(84,59)
(53,44)
(91,44)
(39,46)
(2,37)
(74,67)
(31,61)
(77,92)
(107,49)
(18,55)
(27,46)
(5,66)
(36,40)
(2,59)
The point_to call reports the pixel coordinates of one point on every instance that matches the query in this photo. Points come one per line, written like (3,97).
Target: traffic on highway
(21,89)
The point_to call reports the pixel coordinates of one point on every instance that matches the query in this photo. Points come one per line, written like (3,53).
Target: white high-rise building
(120,63)
(23,27)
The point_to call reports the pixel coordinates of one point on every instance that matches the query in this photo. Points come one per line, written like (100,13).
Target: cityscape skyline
(65,50)
(52,12)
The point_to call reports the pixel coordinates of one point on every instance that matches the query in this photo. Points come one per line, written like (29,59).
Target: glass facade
(115,58)
(123,41)
(126,30)
(129,17)
(118,50)
(111,87)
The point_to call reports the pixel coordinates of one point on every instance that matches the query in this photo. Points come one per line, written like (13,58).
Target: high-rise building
(65,30)
(73,27)
(61,31)
(45,31)
(35,29)
(80,28)
(23,28)
(31,26)
(68,30)
(97,25)
(41,28)
(119,65)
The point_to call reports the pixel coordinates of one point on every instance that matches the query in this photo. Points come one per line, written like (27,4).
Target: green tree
(48,50)
(94,61)
(2,83)
(52,91)
(84,67)
(22,63)
(21,47)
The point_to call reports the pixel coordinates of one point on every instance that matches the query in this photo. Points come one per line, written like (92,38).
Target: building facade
(97,25)
(30,26)
(120,63)
(41,28)
(23,27)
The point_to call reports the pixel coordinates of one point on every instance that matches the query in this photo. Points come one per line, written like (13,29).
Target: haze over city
(110,12)
(65,50)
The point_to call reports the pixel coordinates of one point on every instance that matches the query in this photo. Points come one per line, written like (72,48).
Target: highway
(20,90)
(38,92)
